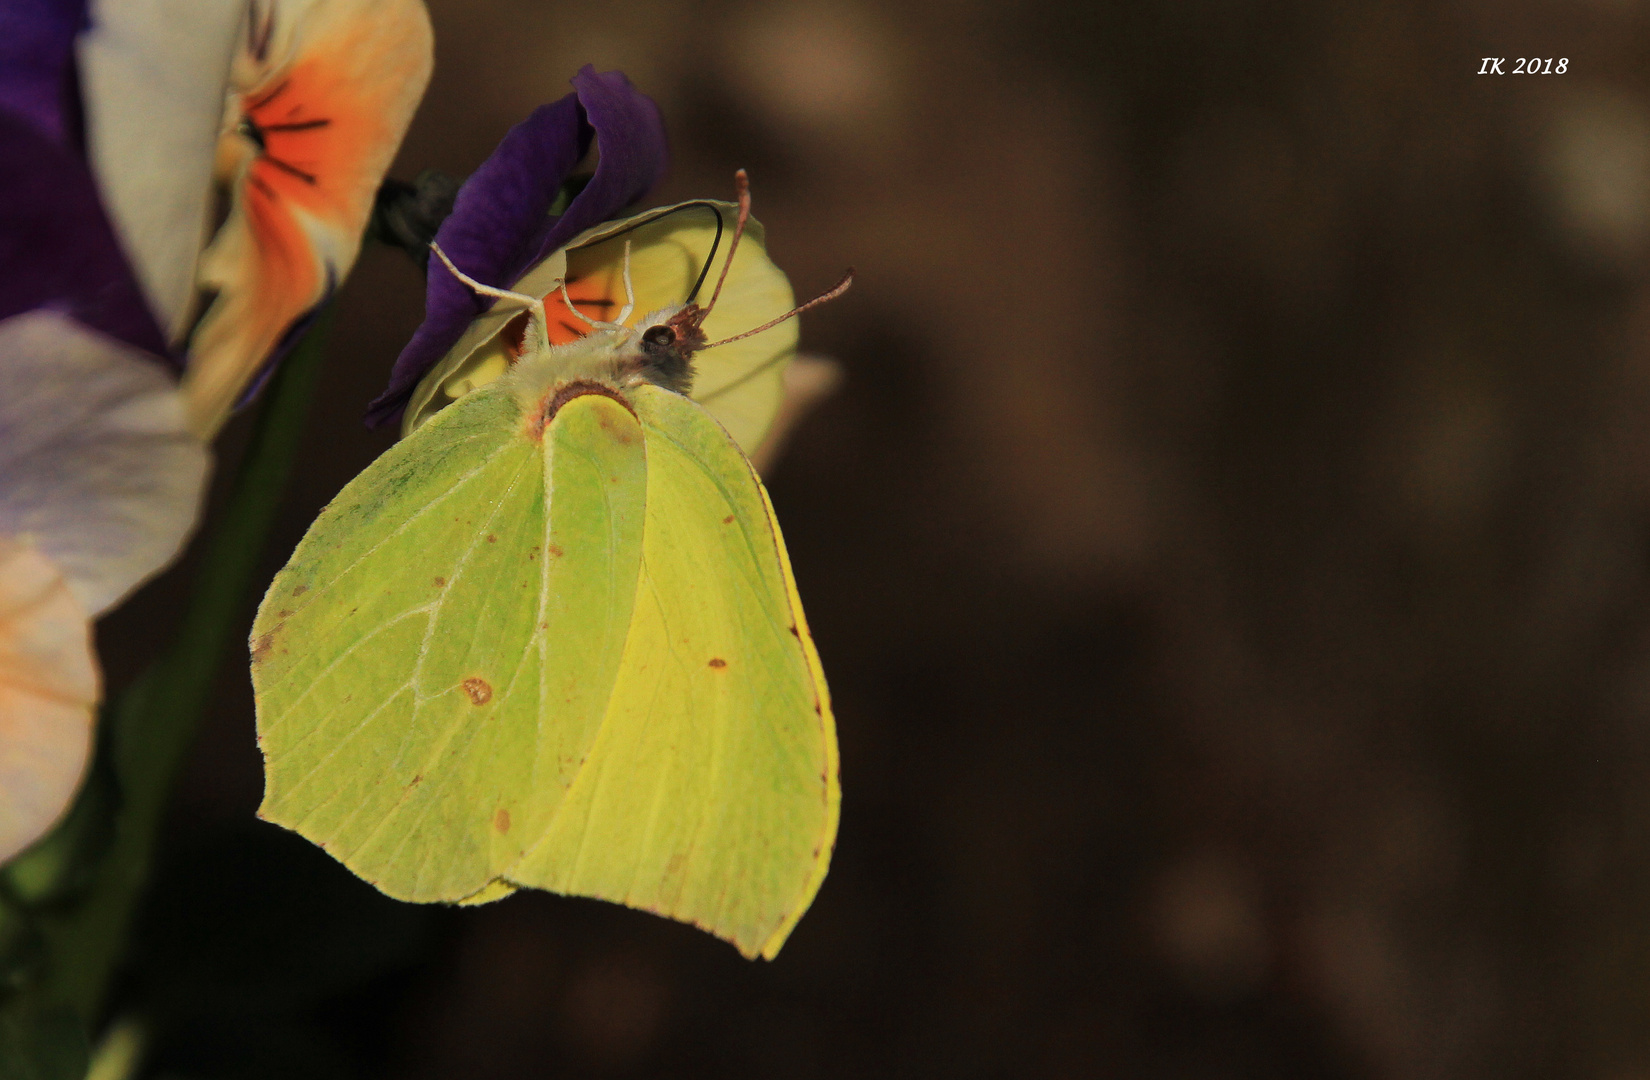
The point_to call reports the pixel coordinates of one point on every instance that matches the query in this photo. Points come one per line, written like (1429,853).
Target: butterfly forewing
(455,623)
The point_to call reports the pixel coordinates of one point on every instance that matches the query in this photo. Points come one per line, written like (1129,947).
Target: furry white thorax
(611,354)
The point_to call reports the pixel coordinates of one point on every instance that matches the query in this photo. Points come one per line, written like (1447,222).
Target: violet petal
(36,61)
(500,226)
(630,136)
(57,249)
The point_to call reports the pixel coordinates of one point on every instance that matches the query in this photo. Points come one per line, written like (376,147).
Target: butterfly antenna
(741,185)
(569,302)
(533,304)
(831,294)
(629,293)
(710,258)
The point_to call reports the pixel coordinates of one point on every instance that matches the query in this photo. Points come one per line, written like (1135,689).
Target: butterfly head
(658,350)
(667,347)
(670,337)
(665,342)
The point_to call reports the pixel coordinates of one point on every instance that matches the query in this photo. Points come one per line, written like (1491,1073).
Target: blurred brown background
(1228,550)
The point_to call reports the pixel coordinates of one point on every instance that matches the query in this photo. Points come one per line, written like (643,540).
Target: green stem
(153,723)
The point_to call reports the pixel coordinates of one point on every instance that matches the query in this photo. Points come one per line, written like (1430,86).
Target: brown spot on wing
(554,400)
(623,435)
(261,647)
(718,663)
(555,552)
(440,582)
(479,690)
(300,590)
(728,520)
(501,820)
(491,539)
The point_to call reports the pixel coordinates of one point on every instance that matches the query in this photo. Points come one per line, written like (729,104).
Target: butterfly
(551,638)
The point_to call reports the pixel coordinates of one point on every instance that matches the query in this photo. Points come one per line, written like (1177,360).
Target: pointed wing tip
(759,949)
(776,940)
(495,890)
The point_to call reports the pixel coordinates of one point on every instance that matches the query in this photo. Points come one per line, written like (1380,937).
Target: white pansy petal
(98,468)
(153,73)
(48,695)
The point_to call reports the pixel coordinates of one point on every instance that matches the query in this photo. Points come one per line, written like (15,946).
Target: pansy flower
(501,232)
(113,132)
(99,478)
(152,79)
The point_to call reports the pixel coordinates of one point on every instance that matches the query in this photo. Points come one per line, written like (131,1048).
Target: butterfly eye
(659,335)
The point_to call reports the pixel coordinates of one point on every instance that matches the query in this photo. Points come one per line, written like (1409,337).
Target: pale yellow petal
(48,695)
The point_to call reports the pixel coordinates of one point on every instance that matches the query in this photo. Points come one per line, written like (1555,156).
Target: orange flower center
(592,297)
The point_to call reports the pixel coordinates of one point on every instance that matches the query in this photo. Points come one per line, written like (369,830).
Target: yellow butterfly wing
(710,794)
(434,662)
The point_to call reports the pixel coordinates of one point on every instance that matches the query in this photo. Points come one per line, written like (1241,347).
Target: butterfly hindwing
(711,793)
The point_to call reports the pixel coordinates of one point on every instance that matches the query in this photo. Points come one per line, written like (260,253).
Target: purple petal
(631,142)
(501,225)
(37,63)
(498,220)
(56,247)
